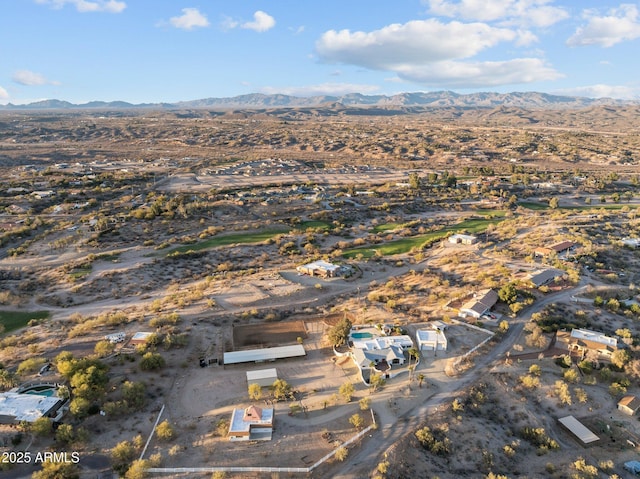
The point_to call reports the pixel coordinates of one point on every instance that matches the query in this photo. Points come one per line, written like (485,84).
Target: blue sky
(172,50)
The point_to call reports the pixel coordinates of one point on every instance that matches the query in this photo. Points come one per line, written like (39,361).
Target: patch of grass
(614,206)
(386,227)
(533,205)
(12,320)
(404,245)
(315,224)
(225,240)
(490,213)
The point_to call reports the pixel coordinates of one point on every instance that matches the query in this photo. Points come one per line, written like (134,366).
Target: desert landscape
(141,247)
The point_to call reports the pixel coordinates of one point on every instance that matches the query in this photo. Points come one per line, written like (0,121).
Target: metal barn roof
(264,354)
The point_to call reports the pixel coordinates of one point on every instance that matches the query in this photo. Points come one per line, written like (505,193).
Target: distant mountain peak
(434,99)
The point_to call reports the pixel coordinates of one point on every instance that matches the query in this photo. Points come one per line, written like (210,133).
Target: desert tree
(346,391)
(255,391)
(57,470)
(356,421)
(135,394)
(341,453)
(281,389)
(122,455)
(165,431)
(340,332)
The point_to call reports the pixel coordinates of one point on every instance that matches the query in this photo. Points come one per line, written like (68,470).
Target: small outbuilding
(139,338)
(581,432)
(629,405)
(431,340)
(262,377)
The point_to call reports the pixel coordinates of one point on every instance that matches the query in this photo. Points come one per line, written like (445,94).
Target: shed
(140,338)
(431,340)
(629,405)
(583,434)
(262,377)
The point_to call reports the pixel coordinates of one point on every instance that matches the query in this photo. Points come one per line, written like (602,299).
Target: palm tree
(420,379)
(413,353)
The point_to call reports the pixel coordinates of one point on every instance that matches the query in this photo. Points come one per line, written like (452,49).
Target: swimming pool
(48,391)
(361,335)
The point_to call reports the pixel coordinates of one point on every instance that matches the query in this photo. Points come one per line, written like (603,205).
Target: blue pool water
(361,335)
(49,392)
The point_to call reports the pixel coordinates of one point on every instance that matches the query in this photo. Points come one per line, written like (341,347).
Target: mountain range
(423,99)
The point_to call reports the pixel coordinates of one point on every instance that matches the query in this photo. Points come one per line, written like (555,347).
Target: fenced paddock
(268,335)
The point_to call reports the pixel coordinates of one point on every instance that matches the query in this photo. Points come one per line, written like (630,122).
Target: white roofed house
(381,353)
(462,239)
(322,268)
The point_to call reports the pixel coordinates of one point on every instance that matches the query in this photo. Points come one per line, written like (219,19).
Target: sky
(147,51)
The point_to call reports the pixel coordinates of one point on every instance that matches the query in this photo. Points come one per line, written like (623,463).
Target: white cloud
(191,18)
(603,91)
(417,42)
(228,23)
(535,13)
(621,24)
(109,6)
(4,94)
(261,22)
(334,89)
(455,74)
(29,78)
(436,54)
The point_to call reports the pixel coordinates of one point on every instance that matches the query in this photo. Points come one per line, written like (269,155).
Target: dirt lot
(268,335)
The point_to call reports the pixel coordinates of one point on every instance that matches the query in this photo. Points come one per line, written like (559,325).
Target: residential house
(545,276)
(462,239)
(481,303)
(579,342)
(322,268)
(381,353)
(251,424)
(16,407)
(560,249)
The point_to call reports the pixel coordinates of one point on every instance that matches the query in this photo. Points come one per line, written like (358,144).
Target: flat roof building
(462,239)
(321,268)
(431,340)
(262,377)
(16,407)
